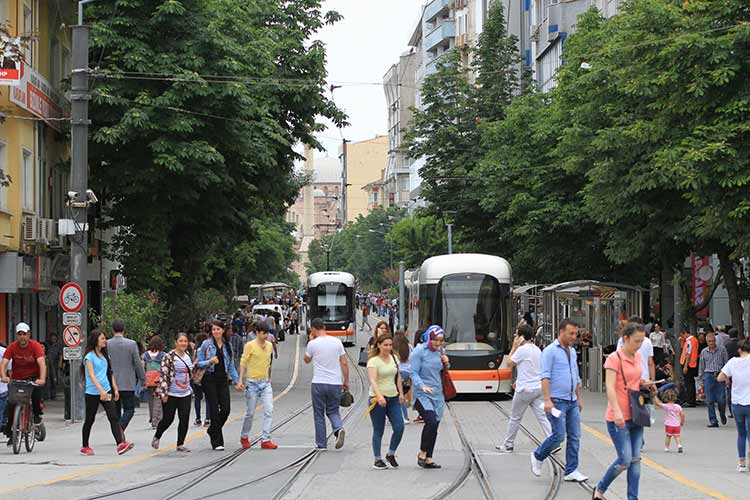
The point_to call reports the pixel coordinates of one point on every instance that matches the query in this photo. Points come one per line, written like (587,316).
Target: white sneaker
(576,476)
(407,421)
(219,448)
(742,468)
(666,450)
(503,449)
(536,465)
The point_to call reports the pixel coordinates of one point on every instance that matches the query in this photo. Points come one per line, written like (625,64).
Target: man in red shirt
(28,364)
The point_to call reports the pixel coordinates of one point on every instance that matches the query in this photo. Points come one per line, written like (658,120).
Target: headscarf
(432,333)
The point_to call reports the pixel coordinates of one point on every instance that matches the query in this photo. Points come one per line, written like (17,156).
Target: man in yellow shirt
(255,378)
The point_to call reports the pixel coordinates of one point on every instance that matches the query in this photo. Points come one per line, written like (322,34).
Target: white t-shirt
(646,351)
(326,353)
(739,370)
(528,359)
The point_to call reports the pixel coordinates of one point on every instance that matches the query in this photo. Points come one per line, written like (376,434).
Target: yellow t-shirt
(257,360)
(386,378)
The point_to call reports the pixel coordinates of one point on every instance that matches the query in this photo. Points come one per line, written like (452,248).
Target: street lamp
(449,225)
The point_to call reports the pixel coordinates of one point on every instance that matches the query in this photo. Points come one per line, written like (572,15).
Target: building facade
(365,161)
(316,211)
(35,160)
(399,84)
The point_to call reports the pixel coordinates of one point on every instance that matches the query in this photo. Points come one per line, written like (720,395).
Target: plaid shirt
(712,361)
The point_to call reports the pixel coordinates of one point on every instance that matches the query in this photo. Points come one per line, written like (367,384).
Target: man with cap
(27,356)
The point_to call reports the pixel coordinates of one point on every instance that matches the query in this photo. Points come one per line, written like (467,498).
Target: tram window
(472,310)
(332,302)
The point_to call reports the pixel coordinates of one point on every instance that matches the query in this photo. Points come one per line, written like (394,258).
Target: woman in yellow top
(387,395)
(255,378)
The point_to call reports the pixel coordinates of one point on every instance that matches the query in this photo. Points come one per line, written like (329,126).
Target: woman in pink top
(623,372)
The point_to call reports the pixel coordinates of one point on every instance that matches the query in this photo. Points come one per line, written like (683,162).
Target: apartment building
(364,164)
(35,160)
(399,84)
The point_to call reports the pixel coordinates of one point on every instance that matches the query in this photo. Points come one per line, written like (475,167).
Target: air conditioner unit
(31,228)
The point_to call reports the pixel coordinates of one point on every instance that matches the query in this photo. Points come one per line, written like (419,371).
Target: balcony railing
(441,34)
(435,8)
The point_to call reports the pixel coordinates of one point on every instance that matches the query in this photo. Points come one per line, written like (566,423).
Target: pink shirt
(672,414)
(632,369)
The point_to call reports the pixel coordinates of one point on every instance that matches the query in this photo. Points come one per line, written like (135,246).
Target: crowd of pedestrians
(546,381)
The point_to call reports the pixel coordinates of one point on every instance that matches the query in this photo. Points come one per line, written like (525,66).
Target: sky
(361,48)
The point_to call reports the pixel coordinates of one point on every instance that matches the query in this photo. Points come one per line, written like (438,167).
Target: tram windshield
(332,304)
(472,309)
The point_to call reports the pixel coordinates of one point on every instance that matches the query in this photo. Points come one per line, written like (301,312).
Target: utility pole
(345,184)
(79,179)
(450,238)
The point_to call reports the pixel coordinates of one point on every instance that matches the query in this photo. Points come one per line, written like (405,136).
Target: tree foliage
(142,313)
(197,106)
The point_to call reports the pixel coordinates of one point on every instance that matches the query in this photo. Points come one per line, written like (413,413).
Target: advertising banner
(36,95)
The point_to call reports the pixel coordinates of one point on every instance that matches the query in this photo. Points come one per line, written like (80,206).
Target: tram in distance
(469,295)
(330,297)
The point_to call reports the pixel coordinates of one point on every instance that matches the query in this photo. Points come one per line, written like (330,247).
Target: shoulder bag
(362,356)
(198,373)
(449,389)
(639,413)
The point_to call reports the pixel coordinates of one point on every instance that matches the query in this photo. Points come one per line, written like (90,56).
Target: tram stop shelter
(597,307)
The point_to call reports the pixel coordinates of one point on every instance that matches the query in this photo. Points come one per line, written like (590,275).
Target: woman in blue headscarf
(427,360)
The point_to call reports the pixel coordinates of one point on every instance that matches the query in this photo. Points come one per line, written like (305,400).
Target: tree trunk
(733,290)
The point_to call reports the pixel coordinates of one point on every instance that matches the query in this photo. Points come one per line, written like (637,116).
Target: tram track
(558,467)
(301,464)
(472,464)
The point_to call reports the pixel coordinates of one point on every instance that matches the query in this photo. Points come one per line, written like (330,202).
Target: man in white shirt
(330,376)
(527,358)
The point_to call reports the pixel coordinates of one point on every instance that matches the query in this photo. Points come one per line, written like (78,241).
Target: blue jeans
(125,408)
(255,389)
(742,421)
(405,377)
(3,403)
(377,415)
(715,394)
(627,443)
(326,399)
(569,422)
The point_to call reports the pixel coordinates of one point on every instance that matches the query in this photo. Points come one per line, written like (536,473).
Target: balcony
(440,35)
(434,9)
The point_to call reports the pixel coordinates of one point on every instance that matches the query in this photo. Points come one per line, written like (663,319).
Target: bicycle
(22,420)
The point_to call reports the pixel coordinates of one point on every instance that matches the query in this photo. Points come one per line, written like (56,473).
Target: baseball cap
(23,327)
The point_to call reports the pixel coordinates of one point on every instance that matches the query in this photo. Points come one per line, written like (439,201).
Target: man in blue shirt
(561,388)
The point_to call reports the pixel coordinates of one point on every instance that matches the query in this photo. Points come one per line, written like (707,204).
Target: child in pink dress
(674,418)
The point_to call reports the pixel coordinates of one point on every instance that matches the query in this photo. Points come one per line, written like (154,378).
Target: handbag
(346,399)
(639,413)
(362,357)
(449,388)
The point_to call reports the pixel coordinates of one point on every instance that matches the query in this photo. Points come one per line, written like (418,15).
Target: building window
(27,166)
(4,168)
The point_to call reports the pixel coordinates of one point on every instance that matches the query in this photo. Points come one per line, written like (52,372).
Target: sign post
(71,301)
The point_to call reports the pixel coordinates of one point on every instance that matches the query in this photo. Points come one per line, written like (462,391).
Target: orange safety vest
(693,361)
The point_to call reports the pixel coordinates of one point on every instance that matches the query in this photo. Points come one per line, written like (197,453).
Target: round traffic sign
(71,336)
(71,297)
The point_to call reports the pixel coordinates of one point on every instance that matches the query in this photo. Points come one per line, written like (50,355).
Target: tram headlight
(343,327)
(491,364)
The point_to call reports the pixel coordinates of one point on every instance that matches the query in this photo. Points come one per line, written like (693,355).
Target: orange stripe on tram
(478,375)
(339,333)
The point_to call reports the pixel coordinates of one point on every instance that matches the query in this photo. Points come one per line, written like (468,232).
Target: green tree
(142,313)
(658,126)
(417,238)
(197,107)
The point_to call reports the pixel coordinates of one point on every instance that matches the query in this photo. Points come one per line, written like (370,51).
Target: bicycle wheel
(16,429)
(29,433)
(41,432)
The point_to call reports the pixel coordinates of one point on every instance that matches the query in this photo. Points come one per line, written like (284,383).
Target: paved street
(56,470)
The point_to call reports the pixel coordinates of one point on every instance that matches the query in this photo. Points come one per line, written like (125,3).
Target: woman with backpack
(387,396)
(152,359)
(101,389)
(175,391)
